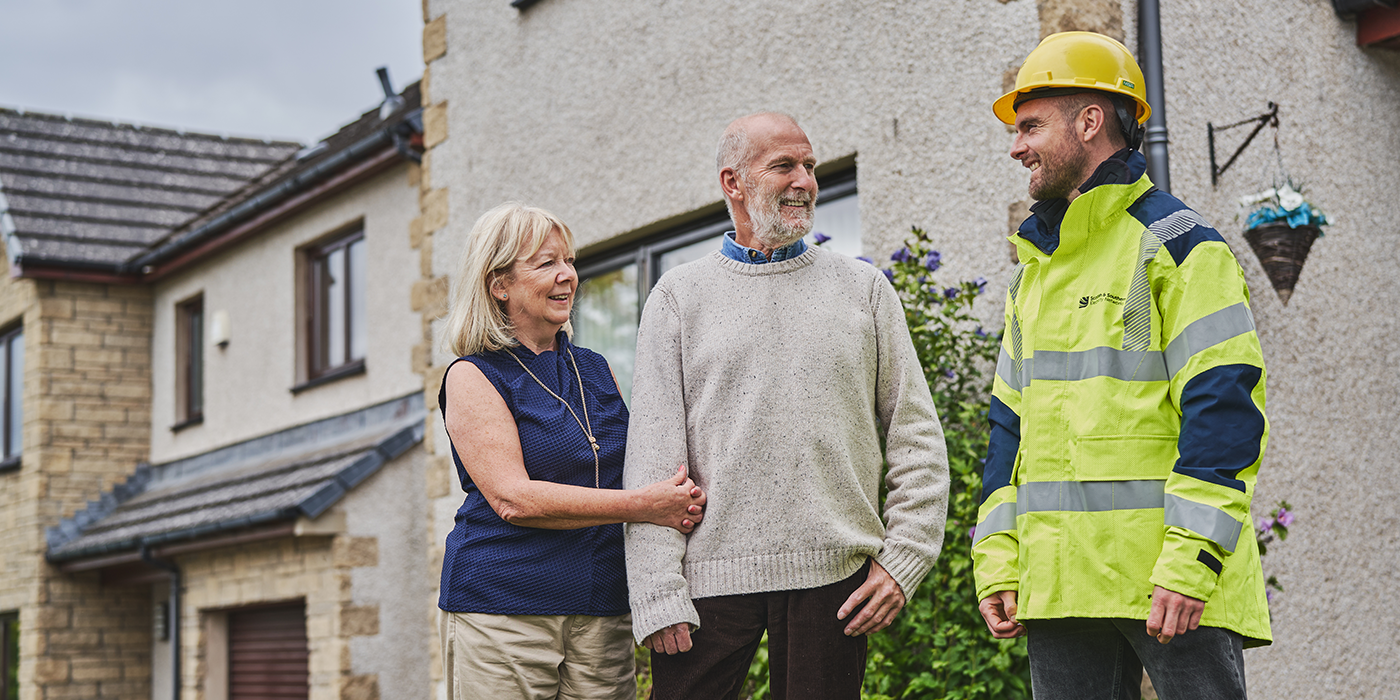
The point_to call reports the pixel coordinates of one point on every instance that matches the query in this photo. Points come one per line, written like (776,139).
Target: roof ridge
(149,128)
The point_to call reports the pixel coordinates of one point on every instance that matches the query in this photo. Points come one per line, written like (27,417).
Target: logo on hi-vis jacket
(1086,302)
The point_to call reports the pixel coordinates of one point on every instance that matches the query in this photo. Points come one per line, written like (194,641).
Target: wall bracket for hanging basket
(1269,118)
(1282,250)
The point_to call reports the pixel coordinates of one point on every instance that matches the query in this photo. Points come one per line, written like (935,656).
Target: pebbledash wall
(607,113)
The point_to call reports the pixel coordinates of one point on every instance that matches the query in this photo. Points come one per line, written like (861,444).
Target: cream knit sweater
(774,384)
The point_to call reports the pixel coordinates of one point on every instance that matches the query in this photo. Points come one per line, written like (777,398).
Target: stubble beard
(766,217)
(1060,172)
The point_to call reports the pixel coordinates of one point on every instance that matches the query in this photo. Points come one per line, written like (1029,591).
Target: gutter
(1150,49)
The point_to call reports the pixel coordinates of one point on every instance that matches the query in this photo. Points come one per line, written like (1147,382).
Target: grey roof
(297,472)
(89,191)
(89,194)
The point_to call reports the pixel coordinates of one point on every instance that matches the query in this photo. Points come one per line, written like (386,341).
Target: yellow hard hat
(1077,61)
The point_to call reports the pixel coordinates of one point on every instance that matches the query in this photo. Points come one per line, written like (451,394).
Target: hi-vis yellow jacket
(1127,414)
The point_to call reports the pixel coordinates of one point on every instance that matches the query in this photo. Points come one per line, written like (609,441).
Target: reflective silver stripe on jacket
(1207,521)
(1208,331)
(1096,496)
(1001,519)
(1089,496)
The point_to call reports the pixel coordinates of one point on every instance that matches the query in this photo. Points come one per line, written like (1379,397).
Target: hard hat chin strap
(1127,120)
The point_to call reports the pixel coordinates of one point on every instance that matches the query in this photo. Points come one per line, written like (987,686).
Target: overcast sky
(287,69)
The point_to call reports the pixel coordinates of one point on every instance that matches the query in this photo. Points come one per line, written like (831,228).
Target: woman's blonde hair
(477,321)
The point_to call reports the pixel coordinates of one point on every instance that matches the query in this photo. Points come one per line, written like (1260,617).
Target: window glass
(196,360)
(356,313)
(840,219)
(338,325)
(685,254)
(12,362)
(601,310)
(9,656)
(334,281)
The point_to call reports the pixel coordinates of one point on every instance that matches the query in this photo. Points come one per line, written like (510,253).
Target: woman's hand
(676,502)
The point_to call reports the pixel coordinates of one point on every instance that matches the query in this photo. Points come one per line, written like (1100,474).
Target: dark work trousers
(809,655)
(1102,659)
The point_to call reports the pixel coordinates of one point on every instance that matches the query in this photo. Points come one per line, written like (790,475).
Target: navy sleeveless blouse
(492,566)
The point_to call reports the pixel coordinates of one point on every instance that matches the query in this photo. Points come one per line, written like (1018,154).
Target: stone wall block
(359,620)
(440,476)
(425,258)
(363,687)
(1102,16)
(435,39)
(415,232)
(435,124)
(50,670)
(351,552)
(430,296)
(435,210)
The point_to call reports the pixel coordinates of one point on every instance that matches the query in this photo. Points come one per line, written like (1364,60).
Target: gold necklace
(585,425)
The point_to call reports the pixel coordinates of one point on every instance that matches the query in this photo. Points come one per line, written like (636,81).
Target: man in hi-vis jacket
(1128,408)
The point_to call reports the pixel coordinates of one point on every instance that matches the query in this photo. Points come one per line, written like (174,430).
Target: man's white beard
(766,218)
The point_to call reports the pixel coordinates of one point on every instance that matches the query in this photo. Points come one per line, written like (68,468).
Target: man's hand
(671,640)
(885,601)
(999,610)
(1172,614)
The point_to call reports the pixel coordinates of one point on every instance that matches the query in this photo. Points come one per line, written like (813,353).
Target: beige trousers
(537,657)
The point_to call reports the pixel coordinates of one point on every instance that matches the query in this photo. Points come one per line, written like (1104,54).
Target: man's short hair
(1073,104)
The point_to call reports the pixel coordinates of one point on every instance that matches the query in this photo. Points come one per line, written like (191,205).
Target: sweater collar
(1043,226)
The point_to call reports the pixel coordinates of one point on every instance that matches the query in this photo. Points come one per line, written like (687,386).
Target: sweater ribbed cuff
(905,564)
(661,611)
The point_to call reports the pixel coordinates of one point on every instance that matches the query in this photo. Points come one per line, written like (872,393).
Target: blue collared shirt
(732,250)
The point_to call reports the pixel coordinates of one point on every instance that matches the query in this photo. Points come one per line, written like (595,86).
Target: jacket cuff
(661,611)
(1188,565)
(905,564)
(995,564)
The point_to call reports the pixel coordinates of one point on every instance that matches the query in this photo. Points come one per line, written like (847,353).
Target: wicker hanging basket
(1282,251)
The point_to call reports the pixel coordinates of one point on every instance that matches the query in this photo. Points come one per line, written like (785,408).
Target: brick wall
(86,426)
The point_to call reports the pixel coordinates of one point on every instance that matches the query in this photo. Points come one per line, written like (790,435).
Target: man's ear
(1090,122)
(731,186)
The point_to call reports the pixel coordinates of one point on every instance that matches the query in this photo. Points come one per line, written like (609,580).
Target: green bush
(939,647)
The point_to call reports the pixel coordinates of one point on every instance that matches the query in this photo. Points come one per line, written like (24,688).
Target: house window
(613,286)
(12,362)
(9,656)
(336,316)
(189,363)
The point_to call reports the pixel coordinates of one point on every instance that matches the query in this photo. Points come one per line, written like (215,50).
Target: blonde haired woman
(534,592)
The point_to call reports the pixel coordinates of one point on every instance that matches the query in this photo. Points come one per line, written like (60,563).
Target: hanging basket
(1282,251)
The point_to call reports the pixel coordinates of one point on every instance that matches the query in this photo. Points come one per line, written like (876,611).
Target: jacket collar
(1042,228)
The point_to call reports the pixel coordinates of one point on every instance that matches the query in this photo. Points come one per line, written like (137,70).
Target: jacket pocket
(1122,457)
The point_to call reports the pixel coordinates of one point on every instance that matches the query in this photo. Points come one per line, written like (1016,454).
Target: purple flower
(933,261)
(951,292)
(862,257)
(901,255)
(889,275)
(922,279)
(1269,595)
(820,237)
(1265,525)
(1285,518)
(981,283)
(972,532)
(980,333)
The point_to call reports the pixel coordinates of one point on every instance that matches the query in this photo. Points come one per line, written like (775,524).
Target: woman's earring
(503,297)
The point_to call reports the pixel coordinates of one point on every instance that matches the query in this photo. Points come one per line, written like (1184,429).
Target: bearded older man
(774,370)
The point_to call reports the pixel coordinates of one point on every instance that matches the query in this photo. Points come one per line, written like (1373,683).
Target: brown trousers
(809,655)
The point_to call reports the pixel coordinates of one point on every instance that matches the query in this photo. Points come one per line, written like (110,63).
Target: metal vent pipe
(1150,54)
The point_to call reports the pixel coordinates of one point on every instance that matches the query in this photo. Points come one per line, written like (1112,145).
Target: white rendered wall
(247,386)
(606,112)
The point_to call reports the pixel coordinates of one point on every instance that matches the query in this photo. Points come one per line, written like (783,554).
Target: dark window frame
(11,460)
(318,368)
(189,362)
(9,656)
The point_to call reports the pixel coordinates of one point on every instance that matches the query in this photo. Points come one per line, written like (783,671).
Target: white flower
(1289,198)
(1257,198)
